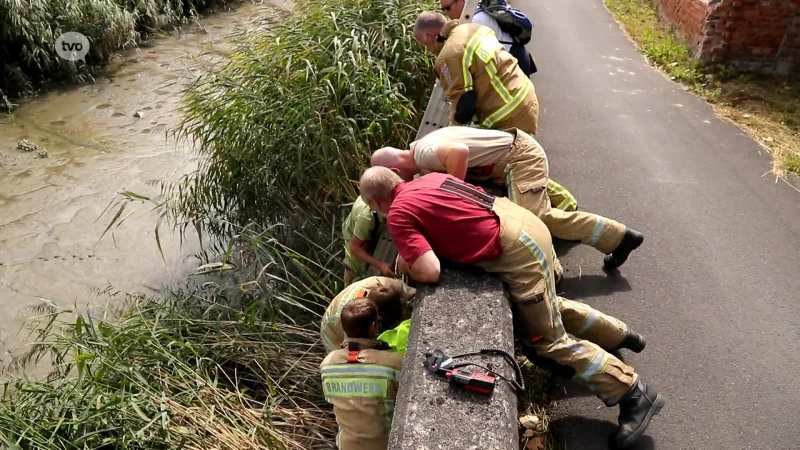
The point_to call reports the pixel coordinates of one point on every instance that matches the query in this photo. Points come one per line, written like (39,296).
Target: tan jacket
(362,394)
(503,91)
(490,153)
(331,326)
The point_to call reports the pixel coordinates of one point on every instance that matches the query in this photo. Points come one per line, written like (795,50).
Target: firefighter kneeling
(439,216)
(361,380)
(514,159)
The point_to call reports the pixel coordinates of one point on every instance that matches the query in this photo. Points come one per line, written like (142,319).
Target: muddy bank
(98,146)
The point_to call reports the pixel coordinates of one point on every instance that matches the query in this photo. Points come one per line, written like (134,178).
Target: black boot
(630,242)
(636,410)
(634,342)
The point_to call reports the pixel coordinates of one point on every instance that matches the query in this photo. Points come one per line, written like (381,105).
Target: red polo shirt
(424,217)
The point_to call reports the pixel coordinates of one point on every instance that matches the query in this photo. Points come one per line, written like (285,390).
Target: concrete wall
(465,312)
(755,35)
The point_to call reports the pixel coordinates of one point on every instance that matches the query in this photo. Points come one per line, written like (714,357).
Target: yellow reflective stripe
(509,107)
(469,52)
(512,193)
(540,256)
(598,231)
(348,294)
(497,83)
(593,316)
(598,363)
(568,201)
(360,369)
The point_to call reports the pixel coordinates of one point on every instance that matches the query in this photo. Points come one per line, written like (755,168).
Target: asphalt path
(716,285)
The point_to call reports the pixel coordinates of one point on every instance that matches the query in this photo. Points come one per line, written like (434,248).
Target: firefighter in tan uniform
(482,80)
(331,326)
(514,159)
(361,381)
(439,216)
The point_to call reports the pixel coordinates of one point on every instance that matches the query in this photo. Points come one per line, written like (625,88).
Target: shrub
(29,28)
(288,124)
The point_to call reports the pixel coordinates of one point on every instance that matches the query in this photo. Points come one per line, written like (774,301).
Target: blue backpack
(511,20)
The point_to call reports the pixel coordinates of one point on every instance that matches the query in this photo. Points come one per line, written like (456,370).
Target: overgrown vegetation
(29,29)
(284,129)
(225,367)
(766,108)
(288,125)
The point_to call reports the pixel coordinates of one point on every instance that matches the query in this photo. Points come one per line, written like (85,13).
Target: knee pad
(565,372)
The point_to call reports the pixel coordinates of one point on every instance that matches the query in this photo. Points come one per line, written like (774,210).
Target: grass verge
(766,108)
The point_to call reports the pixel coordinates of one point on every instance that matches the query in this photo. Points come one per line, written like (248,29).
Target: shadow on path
(587,286)
(589,434)
(563,247)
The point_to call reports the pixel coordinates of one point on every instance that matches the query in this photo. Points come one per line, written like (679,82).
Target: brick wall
(687,16)
(755,35)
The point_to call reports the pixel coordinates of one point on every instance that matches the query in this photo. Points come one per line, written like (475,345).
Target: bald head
(429,22)
(385,157)
(377,184)
(398,161)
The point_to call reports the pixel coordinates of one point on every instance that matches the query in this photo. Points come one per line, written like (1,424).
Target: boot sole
(657,406)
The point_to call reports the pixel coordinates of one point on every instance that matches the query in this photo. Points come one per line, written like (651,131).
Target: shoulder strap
(352,353)
(376,229)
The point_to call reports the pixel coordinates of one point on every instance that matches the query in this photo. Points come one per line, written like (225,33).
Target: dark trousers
(524,59)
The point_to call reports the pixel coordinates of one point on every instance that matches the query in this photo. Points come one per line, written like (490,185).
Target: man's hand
(386,269)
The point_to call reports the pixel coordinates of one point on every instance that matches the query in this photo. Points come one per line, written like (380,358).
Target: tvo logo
(72,46)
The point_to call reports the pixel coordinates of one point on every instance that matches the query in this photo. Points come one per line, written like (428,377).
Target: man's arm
(455,157)
(426,269)
(356,247)
(414,250)
(458,89)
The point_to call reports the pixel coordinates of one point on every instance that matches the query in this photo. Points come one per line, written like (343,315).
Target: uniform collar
(364,344)
(448,28)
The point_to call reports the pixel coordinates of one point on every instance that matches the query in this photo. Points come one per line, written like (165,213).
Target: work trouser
(526,118)
(544,319)
(524,59)
(524,172)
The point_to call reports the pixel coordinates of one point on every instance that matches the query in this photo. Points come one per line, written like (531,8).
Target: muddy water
(49,207)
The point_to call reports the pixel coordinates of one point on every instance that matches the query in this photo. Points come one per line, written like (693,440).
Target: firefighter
(453,10)
(361,381)
(439,216)
(513,159)
(394,309)
(360,232)
(331,325)
(493,89)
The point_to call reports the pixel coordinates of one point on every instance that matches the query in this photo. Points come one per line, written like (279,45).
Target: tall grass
(283,131)
(224,367)
(29,28)
(286,127)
